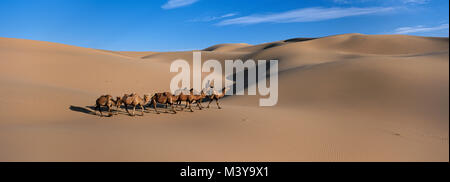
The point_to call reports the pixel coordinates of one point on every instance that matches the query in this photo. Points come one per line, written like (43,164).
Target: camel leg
(209,103)
(117,110)
(175,104)
(198,104)
(165,111)
(217,102)
(99,109)
(134,109)
(179,105)
(190,107)
(201,106)
(142,109)
(167,106)
(126,108)
(154,106)
(173,109)
(109,110)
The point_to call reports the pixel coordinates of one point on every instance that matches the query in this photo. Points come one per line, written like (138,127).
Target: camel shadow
(90,109)
(82,110)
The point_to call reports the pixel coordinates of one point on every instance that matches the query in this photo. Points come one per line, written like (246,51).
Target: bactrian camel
(196,98)
(104,100)
(216,96)
(163,98)
(190,99)
(135,100)
(182,97)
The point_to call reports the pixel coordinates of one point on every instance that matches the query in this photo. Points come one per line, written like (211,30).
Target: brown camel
(104,100)
(183,97)
(135,100)
(190,99)
(174,100)
(163,98)
(118,103)
(215,96)
(197,99)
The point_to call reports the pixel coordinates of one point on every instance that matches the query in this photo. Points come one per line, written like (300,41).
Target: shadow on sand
(82,110)
(91,110)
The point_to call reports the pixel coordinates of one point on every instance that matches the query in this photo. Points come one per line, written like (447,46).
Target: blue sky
(171,25)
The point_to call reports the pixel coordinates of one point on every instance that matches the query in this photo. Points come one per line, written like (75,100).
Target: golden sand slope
(349,97)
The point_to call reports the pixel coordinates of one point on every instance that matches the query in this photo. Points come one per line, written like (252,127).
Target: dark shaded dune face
(212,48)
(252,49)
(299,39)
(273,45)
(381,44)
(226,47)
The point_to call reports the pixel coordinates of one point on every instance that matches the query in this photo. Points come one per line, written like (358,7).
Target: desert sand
(350,97)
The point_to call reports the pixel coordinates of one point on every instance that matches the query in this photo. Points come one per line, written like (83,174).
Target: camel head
(202,94)
(147,98)
(109,97)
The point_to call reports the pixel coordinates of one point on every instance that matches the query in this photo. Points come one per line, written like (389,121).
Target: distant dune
(350,97)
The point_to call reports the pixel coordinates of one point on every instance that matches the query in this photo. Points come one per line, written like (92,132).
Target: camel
(135,100)
(183,97)
(174,100)
(197,99)
(163,98)
(190,99)
(104,100)
(118,103)
(216,96)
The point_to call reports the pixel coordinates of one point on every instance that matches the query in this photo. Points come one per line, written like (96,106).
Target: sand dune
(226,47)
(348,97)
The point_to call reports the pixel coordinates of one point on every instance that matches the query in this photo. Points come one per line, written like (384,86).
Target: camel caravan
(166,98)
